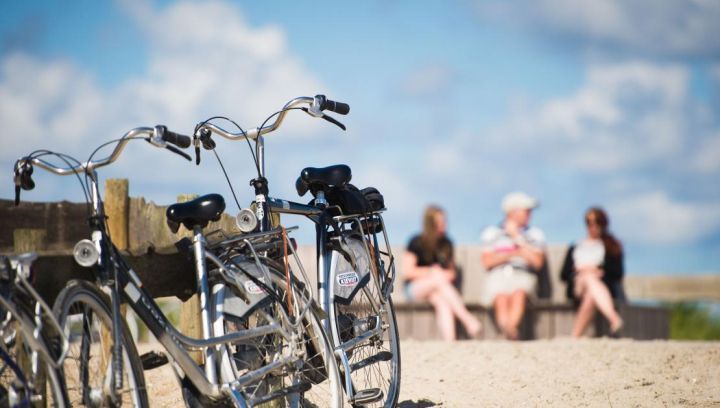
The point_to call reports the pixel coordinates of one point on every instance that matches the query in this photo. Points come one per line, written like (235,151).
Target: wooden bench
(168,274)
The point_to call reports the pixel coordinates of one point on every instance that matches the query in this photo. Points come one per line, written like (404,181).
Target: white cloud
(203,59)
(655,218)
(444,160)
(629,127)
(624,116)
(669,27)
(427,80)
(707,157)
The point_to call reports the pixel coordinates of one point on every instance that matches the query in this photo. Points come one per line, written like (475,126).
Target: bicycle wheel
(312,381)
(364,327)
(25,378)
(84,314)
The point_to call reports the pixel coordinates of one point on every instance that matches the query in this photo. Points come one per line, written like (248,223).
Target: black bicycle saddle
(199,211)
(322,178)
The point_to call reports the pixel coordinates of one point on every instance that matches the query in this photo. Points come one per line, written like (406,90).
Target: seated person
(593,270)
(513,254)
(429,272)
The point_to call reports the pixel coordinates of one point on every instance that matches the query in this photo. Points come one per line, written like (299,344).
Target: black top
(443,254)
(612,266)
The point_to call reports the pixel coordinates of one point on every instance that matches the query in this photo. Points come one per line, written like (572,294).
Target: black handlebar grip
(337,107)
(177,139)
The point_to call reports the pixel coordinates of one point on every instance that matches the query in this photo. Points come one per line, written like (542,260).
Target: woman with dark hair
(429,272)
(593,270)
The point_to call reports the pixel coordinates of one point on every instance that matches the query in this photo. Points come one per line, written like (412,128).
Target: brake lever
(206,139)
(333,121)
(23,178)
(196,143)
(179,152)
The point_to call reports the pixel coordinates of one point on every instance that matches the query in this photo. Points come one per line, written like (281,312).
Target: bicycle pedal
(379,357)
(367,396)
(153,359)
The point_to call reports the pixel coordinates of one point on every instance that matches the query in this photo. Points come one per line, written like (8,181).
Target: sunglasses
(589,222)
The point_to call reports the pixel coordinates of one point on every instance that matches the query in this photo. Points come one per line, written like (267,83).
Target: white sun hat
(518,200)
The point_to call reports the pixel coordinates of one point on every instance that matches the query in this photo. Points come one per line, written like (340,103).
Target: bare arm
(535,257)
(411,270)
(492,259)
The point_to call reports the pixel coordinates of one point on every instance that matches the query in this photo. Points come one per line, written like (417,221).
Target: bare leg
(517,310)
(444,316)
(585,314)
(603,301)
(502,312)
(436,285)
(454,300)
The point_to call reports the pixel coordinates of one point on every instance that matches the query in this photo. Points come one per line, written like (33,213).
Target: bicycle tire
(318,371)
(374,363)
(23,383)
(22,386)
(89,349)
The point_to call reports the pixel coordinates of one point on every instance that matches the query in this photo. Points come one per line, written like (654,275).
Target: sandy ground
(563,372)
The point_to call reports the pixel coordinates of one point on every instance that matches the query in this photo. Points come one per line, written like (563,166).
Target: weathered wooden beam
(64,222)
(29,240)
(674,288)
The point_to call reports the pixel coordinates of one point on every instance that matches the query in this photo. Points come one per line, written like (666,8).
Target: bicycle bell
(85,253)
(246,220)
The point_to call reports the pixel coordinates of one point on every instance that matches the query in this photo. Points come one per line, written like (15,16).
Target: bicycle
(356,269)
(265,350)
(31,343)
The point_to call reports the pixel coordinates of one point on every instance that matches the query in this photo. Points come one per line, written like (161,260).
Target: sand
(563,372)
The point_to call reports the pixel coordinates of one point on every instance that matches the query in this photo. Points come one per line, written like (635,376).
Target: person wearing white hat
(513,253)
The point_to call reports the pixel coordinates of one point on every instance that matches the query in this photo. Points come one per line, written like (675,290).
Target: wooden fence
(140,229)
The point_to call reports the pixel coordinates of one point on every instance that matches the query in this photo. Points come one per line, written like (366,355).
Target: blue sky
(456,103)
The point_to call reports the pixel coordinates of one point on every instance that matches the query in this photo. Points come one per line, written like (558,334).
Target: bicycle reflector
(246,220)
(85,253)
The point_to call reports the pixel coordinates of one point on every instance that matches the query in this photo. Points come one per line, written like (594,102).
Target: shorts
(506,280)
(407,291)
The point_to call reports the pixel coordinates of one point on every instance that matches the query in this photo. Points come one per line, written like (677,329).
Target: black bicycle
(260,341)
(32,346)
(356,267)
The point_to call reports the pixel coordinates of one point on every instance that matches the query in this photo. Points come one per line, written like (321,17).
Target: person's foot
(473,328)
(511,333)
(615,327)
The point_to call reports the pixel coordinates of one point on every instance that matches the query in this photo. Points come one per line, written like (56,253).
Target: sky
(455,103)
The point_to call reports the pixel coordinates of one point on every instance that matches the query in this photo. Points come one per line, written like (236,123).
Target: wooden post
(190,323)
(117,205)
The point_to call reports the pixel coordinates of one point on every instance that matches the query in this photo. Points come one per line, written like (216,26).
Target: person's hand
(435,269)
(513,229)
(449,275)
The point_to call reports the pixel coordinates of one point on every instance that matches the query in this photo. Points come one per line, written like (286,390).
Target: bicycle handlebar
(316,105)
(158,136)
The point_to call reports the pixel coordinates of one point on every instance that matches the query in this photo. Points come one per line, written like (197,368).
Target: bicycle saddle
(199,211)
(323,178)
